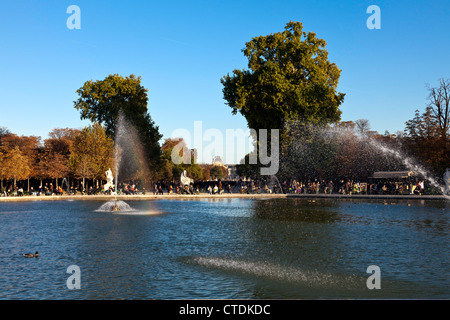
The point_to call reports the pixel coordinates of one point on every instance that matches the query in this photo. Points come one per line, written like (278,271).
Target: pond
(226,249)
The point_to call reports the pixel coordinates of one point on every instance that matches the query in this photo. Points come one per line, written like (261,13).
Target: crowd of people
(344,187)
(349,187)
(47,189)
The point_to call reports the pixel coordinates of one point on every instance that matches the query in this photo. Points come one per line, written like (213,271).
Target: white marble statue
(447,181)
(109,180)
(185,180)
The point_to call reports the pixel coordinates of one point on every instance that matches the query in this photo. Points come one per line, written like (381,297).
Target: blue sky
(181,49)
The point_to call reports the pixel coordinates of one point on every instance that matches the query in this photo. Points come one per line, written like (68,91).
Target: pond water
(226,249)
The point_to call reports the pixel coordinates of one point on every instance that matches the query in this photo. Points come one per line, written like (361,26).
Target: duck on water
(31,255)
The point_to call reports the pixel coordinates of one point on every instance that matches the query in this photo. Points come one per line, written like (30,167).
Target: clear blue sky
(181,49)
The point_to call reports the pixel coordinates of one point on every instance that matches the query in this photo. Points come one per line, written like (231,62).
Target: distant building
(218,161)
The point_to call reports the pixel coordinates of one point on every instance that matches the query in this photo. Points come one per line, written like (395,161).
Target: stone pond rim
(222,196)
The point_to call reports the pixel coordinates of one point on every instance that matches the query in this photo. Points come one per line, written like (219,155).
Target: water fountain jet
(314,149)
(129,160)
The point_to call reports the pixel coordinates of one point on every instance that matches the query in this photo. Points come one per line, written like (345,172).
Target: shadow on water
(300,210)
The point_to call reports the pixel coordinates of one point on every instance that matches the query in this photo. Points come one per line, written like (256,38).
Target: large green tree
(102,101)
(289,78)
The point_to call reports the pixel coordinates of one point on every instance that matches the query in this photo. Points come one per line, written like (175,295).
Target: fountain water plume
(409,163)
(333,151)
(130,159)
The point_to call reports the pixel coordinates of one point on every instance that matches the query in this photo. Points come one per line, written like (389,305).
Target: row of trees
(83,155)
(80,154)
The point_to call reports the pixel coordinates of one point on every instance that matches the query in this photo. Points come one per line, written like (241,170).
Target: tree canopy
(427,133)
(101,101)
(15,165)
(92,153)
(289,78)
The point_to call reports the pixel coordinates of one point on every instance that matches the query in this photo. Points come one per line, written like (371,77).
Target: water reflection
(301,210)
